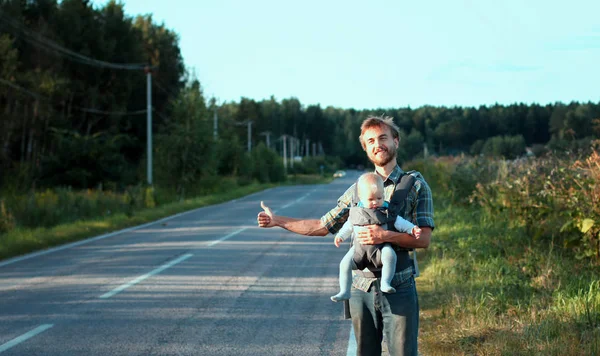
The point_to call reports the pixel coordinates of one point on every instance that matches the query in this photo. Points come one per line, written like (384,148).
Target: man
(374,313)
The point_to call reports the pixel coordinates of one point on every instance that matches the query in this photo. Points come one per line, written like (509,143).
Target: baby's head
(370,190)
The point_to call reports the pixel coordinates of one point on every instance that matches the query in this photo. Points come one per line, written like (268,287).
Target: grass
(22,240)
(488,289)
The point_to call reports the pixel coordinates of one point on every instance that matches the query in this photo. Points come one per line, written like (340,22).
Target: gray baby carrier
(366,256)
(396,207)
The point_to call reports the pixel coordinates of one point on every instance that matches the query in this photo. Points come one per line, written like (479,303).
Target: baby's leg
(345,277)
(388,259)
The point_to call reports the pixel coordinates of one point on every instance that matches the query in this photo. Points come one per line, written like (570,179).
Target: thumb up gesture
(265,217)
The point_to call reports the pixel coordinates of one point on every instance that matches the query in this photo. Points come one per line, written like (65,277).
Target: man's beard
(384,157)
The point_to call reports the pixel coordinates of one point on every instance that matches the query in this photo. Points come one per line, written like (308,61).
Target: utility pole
(249,123)
(249,135)
(268,136)
(292,151)
(284,153)
(307,153)
(215,119)
(149,122)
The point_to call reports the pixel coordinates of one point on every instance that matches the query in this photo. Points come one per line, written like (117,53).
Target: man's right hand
(265,217)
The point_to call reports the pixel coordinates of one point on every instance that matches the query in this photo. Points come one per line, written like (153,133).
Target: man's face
(380,145)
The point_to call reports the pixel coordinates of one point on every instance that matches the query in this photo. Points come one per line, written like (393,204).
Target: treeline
(68,117)
(73,112)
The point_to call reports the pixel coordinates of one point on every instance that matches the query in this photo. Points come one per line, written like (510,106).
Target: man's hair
(378,121)
(371,181)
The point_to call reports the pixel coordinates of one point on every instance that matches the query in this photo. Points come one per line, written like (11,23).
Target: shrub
(267,166)
(556,198)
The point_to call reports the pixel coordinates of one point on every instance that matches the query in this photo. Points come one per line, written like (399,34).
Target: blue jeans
(395,315)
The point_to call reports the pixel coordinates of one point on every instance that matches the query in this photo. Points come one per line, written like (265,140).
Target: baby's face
(372,199)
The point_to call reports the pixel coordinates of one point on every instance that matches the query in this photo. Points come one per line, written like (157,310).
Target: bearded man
(375,313)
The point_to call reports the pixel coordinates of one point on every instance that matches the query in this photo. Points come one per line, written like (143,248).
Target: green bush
(509,147)
(267,166)
(539,150)
(477,147)
(313,164)
(555,198)
(231,156)
(51,207)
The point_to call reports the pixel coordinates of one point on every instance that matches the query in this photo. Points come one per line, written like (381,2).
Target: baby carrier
(397,206)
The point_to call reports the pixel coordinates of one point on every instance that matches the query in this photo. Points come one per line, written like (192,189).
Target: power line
(88,110)
(102,112)
(39,41)
(15,86)
(162,116)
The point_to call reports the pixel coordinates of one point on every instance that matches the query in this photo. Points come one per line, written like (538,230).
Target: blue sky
(384,54)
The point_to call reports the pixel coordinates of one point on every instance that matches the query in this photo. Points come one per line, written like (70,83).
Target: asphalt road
(205,282)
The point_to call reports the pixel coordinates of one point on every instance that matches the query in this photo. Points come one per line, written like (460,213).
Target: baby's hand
(416,232)
(337,241)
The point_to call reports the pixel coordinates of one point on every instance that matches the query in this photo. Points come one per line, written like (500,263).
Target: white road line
(141,278)
(25,337)
(184,257)
(296,201)
(212,243)
(351,343)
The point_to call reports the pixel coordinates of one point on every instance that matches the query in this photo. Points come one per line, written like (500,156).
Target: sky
(387,54)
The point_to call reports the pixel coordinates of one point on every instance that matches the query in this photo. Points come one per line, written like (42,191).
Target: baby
(371,209)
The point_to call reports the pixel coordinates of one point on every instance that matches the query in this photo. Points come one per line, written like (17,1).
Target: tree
(8,67)
(414,144)
(185,148)
(509,147)
(84,161)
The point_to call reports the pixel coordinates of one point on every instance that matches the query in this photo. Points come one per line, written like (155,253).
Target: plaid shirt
(418,210)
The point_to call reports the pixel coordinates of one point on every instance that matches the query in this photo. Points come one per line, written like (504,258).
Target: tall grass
(492,282)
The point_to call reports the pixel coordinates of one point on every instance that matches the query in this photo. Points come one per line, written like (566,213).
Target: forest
(73,104)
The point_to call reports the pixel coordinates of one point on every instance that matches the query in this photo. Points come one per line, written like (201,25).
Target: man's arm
(375,234)
(309,227)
